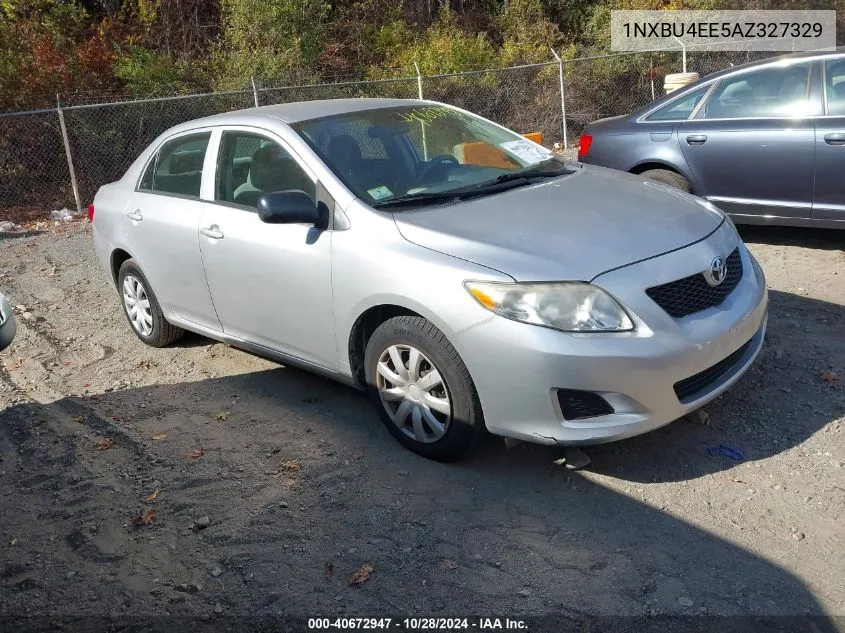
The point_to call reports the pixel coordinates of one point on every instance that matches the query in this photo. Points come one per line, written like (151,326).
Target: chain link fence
(104,138)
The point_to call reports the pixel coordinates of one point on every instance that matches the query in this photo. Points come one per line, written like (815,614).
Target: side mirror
(292,207)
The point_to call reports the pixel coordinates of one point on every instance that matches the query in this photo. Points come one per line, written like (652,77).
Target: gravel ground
(271,486)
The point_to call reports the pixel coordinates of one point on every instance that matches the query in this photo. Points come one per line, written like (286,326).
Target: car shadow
(826,239)
(299,479)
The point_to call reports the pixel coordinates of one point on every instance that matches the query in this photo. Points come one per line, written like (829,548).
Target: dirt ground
(298,485)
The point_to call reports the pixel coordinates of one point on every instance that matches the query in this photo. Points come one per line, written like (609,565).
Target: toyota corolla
(462,274)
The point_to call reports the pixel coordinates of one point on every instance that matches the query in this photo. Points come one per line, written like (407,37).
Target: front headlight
(569,306)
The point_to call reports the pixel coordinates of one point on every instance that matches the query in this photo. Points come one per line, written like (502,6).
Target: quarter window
(834,72)
(177,168)
(779,91)
(249,165)
(680,109)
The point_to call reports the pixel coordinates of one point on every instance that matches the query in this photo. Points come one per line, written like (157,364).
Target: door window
(679,109)
(177,167)
(834,72)
(249,165)
(779,91)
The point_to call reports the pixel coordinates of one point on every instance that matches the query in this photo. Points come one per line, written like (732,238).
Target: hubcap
(137,305)
(413,393)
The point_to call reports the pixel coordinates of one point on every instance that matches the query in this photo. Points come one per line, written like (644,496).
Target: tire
(160,332)
(668,177)
(460,428)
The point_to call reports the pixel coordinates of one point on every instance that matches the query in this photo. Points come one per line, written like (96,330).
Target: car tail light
(91,212)
(584,144)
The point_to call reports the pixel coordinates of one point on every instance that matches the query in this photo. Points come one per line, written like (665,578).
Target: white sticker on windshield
(526,151)
(379,193)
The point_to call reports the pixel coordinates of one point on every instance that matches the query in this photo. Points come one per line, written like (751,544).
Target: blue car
(764,141)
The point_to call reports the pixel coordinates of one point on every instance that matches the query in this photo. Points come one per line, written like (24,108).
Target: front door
(751,146)
(829,200)
(162,223)
(271,283)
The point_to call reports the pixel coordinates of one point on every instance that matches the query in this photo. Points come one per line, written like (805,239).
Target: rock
(575,458)
(283,505)
(685,602)
(798,536)
(477,556)
(202,523)
(215,572)
(218,609)
(6,226)
(189,587)
(524,593)
(71,574)
(26,316)
(403,473)
(699,417)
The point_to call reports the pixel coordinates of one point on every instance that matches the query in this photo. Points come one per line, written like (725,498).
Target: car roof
(736,69)
(296,112)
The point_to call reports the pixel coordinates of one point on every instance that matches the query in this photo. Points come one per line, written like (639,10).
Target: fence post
(254,91)
(419,81)
(562,98)
(422,125)
(68,155)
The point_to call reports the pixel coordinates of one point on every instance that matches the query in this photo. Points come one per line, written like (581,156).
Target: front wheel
(422,389)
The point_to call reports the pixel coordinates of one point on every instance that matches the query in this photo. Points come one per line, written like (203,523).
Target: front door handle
(135,215)
(213,232)
(835,138)
(697,139)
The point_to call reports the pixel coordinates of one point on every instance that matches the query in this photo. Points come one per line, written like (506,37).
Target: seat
(272,170)
(345,155)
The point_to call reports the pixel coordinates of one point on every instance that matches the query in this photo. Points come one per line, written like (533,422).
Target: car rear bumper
(518,369)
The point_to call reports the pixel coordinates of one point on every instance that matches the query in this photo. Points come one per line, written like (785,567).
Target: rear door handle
(835,138)
(697,139)
(135,215)
(213,232)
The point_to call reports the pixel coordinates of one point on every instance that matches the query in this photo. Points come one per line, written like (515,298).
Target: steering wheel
(441,161)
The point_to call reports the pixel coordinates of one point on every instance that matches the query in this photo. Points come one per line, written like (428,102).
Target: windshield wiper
(418,198)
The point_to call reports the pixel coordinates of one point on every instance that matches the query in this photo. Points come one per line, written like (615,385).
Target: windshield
(420,152)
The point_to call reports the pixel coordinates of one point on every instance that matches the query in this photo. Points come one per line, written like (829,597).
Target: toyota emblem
(718,271)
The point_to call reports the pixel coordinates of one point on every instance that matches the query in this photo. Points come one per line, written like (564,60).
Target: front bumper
(7,324)
(518,368)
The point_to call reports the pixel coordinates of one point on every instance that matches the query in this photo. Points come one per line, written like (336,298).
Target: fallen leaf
(79,419)
(65,363)
(290,465)
(362,575)
(449,564)
(146,516)
(86,385)
(829,376)
(223,415)
(152,496)
(737,480)
(160,436)
(197,452)
(357,455)
(329,570)
(106,444)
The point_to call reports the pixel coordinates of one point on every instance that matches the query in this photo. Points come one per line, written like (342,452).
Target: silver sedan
(463,275)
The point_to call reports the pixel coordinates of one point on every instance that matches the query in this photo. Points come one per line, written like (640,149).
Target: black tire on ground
(668,177)
(163,333)
(467,421)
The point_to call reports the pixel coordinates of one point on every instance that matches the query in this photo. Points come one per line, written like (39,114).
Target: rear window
(680,109)
(177,167)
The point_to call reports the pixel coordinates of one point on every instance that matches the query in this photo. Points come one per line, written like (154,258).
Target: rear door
(751,146)
(162,223)
(829,200)
(271,283)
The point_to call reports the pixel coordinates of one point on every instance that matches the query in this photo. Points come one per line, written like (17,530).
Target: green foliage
(268,39)
(528,35)
(147,73)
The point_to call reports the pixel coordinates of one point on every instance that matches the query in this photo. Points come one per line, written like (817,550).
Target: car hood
(571,228)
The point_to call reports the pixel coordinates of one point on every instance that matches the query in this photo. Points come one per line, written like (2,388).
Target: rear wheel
(422,389)
(142,309)
(668,177)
